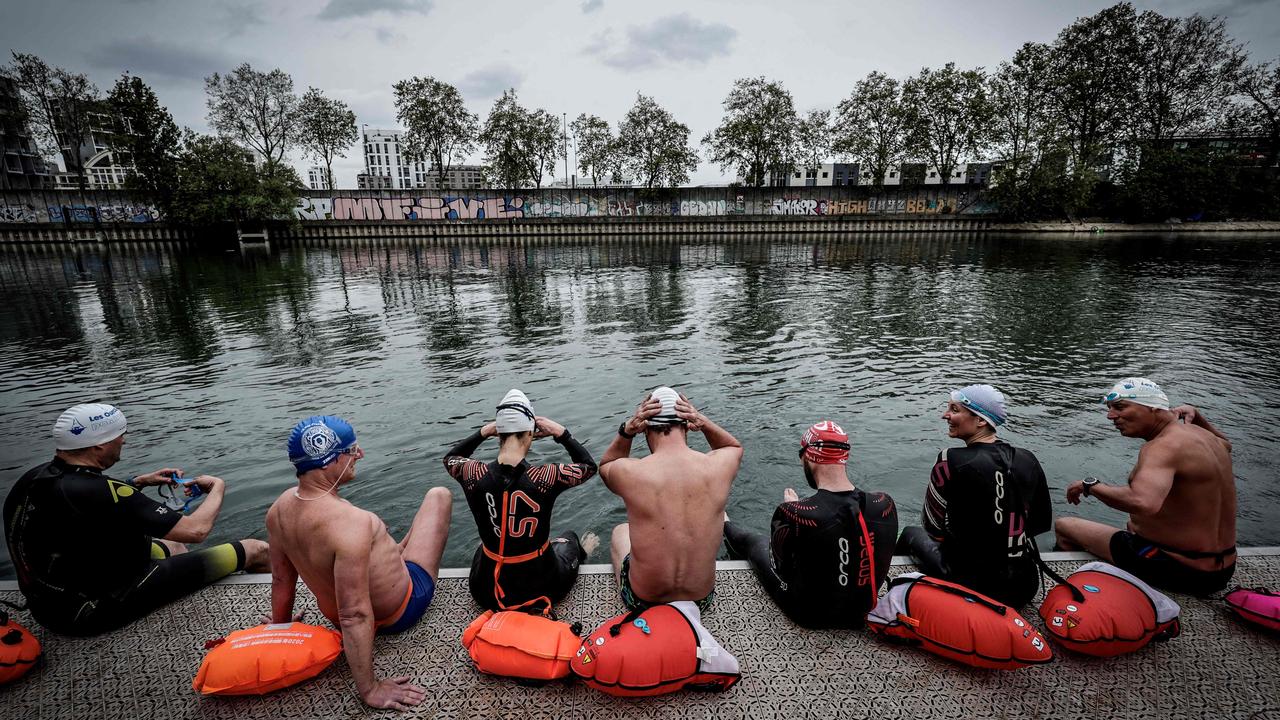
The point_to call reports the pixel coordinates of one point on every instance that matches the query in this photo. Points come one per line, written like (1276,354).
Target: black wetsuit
(549,567)
(82,546)
(817,566)
(984,503)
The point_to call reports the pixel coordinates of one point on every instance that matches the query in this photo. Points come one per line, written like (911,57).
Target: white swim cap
(515,414)
(87,425)
(1140,391)
(666,416)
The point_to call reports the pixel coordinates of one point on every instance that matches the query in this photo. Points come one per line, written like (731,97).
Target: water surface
(215,354)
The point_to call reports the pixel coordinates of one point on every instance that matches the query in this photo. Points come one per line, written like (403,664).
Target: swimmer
(985,504)
(93,553)
(363,580)
(827,555)
(675,500)
(1181,496)
(522,566)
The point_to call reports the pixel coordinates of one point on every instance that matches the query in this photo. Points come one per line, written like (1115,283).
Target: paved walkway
(1218,668)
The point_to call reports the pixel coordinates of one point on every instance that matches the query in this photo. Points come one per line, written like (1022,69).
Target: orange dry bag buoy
(660,650)
(1104,611)
(957,623)
(19,650)
(258,660)
(520,645)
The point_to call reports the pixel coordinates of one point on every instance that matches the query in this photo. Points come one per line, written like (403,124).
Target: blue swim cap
(318,441)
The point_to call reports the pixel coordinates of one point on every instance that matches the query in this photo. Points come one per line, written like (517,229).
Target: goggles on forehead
(824,445)
(1114,396)
(518,408)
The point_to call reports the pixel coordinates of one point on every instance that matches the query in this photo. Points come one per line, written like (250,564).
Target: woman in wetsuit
(984,504)
(517,564)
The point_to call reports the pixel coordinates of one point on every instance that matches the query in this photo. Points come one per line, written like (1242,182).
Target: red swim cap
(825,443)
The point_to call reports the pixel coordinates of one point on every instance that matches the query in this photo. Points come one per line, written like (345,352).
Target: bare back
(308,532)
(1199,512)
(675,506)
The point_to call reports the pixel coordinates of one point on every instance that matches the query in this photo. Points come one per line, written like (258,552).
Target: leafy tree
(947,116)
(1094,90)
(217,182)
(60,103)
(653,147)
(438,126)
(152,139)
(758,132)
(870,125)
(1020,125)
(1260,87)
(521,145)
(813,137)
(258,109)
(326,128)
(597,151)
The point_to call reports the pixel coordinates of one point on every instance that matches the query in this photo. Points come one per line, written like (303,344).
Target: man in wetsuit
(85,545)
(829,553)
(363,580)
(675,500)
(516,564)
(1181,496)
(985,504)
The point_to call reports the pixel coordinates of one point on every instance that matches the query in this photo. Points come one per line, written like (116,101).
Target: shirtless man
(675,500)
(363,580)
(1181,496)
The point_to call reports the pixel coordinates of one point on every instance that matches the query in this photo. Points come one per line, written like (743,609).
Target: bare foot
(590,542)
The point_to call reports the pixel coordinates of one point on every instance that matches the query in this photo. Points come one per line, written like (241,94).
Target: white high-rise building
(382,156)
(317,178)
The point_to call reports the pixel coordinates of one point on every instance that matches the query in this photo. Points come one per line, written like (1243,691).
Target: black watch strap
(1089,484)
(622,430)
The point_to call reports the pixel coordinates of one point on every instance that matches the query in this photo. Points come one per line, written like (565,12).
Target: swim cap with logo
(87,425)
(1138,390)
(515,414)
(984,401)
(825,443)
(318,441)
(667,415)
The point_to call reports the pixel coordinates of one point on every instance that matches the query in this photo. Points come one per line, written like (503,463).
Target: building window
(933,173)
(893,173)
(797,174)
(824,173)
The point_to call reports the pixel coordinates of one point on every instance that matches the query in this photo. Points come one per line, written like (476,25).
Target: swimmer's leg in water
(569,554)
(754,548)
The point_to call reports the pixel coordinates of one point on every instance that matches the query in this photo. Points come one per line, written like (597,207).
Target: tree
(1094,71)
(151,139)
(597,151)
(1020,127)
(813,138)
(326,128)
(60,103)
(438,126)
(217,182)
(258,109)
(653,147)
(947,116)
(1187,74)
(758,132)
(1260,86)
(521,146)
(870,125)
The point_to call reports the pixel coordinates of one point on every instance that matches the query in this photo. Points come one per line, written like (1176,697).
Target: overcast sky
(567,56)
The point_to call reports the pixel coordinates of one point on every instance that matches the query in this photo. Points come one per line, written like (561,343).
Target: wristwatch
(1089,482)
(622,430)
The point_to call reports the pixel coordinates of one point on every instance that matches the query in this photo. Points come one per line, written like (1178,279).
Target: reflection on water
(214,355)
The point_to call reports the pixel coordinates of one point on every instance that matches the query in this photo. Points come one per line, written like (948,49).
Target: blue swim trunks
(422,587)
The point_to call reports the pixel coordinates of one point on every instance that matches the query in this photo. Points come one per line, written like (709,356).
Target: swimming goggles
(180,502)
(1114,396)
(523,410)
(824,445)
(964,400)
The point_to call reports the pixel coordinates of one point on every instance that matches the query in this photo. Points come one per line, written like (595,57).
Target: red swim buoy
(19,650)
(1110,612)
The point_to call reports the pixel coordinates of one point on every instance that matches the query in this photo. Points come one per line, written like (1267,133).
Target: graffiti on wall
(20,214)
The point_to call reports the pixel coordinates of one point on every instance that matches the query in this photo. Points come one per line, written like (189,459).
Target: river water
(215,354)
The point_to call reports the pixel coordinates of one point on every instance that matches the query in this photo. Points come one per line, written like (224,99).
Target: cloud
(342,9)
(146,56)
(489,82)
(240,17)
(591,6)
(388,36)
(673,39)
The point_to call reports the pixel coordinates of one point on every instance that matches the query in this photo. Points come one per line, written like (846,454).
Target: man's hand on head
(685,410)
(1186,413)
(489,430)
(637,423)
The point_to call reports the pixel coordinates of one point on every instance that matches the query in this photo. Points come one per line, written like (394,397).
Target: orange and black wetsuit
(512,509)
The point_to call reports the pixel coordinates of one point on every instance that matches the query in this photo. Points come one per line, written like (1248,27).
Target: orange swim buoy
(520,645)
(654,652)
(1104,611)
(260,659)
(957,623)
(19,649)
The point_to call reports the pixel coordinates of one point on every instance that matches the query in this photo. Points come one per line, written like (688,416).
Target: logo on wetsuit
(864,564)
(493,514)
(1017,536)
